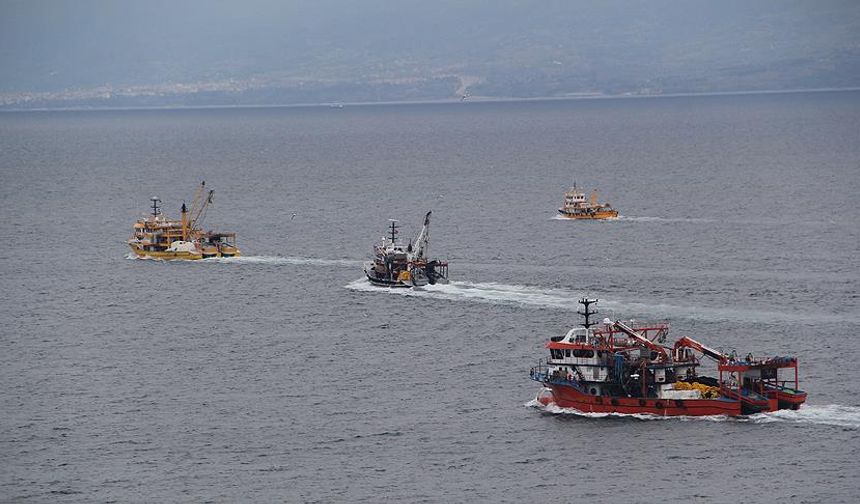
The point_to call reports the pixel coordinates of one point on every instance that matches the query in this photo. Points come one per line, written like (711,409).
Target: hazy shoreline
(473,99)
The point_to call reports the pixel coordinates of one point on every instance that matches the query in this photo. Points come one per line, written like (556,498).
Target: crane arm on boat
(423,239)
(642,339)
(688,342)
(200,203)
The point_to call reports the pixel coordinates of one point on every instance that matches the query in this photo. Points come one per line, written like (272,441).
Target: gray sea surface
(282,376)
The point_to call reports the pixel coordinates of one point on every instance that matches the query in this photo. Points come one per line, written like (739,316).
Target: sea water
(283,376)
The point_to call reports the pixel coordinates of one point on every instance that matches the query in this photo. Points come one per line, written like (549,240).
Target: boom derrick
(688,342)
(200,204)
(629,331)
(423,239)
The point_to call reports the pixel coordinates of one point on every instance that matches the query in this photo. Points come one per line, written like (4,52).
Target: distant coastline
(454,100)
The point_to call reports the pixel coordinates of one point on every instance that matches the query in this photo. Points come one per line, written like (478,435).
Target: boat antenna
(586,312)
(155,209)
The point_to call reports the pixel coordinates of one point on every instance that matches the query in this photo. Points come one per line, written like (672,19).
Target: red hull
(569,397)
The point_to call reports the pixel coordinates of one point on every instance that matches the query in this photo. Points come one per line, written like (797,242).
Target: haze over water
(282,376)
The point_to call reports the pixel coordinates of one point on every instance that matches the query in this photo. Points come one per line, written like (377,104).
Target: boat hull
(175,256)
(565,396)
(600,215)
(383,282)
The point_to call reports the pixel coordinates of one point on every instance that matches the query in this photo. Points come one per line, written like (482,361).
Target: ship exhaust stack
(184,221)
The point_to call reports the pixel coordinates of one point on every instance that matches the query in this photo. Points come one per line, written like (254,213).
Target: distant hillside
(159,53)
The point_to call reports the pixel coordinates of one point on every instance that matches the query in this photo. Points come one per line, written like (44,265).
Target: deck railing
(540,373)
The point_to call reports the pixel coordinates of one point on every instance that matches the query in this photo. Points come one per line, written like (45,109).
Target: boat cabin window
(579,335)
(567,353)
(583,353)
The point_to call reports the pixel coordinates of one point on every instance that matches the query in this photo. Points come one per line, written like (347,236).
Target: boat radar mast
(393,230)
(586,312)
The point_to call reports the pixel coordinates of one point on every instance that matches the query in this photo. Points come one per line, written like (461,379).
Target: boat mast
(393,231)
(585,302)
(155,209)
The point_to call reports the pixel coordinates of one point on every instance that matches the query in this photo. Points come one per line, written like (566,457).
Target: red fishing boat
(615,367)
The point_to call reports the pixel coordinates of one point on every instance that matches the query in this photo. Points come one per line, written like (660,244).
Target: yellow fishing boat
(158,237)
(576,206)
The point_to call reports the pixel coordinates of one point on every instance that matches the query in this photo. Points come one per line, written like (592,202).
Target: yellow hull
(595,216)
(173,256)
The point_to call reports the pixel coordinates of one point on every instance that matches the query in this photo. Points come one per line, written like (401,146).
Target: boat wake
(479,292)
(664,219)
(286,260)
(847,417)
(522,295)
(742,222)
(627,218)
(538,297)
(264,260)
(825,414)
(554,409)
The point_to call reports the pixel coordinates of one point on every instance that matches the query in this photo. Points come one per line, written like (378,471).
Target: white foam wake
(663,219)
(480,292)
(742,222)
(556,410)
(826,414)
(523,295)
(269,260)
(286,260)
(630,218)
(847,417)
(713,314)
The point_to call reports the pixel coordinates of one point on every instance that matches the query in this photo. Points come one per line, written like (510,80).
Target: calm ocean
(283,377)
